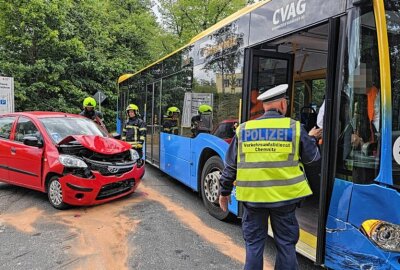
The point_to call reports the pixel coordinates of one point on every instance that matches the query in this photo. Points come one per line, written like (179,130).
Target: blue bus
(340,56)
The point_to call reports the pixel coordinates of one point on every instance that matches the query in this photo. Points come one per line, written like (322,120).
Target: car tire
(55,194)
(210,176)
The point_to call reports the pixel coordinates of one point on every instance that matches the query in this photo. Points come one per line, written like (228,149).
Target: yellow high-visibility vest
(268,166)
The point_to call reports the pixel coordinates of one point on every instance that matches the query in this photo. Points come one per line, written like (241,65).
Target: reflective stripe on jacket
(134,132)
(171,126)
(268,167)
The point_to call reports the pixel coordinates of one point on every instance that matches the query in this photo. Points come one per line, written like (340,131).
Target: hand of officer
(315,132)
(223,202)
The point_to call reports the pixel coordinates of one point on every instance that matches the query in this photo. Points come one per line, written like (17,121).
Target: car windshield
(58,128)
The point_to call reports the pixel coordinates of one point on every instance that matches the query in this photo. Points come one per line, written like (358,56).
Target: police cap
(274,93)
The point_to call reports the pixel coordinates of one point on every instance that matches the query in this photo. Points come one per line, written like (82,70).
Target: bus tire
(210,176)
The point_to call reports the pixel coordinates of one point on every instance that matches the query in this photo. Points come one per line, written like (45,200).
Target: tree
(186,18)
(61,51)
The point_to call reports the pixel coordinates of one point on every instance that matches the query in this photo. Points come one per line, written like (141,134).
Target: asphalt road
(162,226)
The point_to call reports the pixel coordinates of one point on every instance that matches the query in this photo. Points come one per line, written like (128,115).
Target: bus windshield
(359,120)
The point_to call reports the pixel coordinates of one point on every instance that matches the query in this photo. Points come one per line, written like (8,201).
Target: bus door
(264,70)
(153,121)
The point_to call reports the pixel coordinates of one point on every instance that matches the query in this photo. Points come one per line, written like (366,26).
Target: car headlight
(71,161)
(134,155)
(384,234)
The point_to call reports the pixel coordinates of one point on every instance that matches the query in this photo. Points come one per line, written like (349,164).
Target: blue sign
(267,134)
(3,102)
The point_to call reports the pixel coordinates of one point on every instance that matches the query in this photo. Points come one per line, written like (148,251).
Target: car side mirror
(32,141)
(116,135)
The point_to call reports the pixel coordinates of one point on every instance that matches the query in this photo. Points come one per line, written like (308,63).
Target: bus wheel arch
(209,185)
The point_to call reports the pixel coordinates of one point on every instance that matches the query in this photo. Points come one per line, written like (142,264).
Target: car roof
(43,114)
(228,121)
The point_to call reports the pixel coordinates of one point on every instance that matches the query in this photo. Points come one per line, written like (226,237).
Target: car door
(6,124)
(26,161)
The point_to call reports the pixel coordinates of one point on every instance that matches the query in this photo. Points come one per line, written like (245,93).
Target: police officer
(263,162)
(171,121)
(134,131)
(202,123)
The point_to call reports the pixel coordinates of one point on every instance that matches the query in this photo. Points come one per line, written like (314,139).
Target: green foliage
(187,18)
(61,51)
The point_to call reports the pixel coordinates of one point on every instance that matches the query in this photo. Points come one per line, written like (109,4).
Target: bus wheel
(210,185)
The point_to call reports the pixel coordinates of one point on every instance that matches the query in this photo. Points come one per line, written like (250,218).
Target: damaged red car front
(70,158)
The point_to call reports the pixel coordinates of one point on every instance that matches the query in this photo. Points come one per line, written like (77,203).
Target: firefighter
(202,123)
(171,121)
(134,131)
(89,111)
(264,162)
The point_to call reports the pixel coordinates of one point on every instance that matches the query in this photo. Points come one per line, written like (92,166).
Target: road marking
(224,243)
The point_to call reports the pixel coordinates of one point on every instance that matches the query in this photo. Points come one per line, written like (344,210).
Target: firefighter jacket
(134,132)
(201,123)
(268,165)
(170,125)
(96,116)
(92,115)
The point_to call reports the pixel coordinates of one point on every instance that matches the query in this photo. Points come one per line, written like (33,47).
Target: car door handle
(13,151)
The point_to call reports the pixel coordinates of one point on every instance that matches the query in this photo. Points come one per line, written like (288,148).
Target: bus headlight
(384,234)
(134,155)
(72,162)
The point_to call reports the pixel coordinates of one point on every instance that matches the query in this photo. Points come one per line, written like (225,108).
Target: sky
(156,11)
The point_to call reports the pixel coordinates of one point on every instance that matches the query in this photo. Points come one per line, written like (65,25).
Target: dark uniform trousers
(286,234)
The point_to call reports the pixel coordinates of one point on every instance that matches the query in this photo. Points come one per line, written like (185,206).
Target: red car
(67,156)
(226,130)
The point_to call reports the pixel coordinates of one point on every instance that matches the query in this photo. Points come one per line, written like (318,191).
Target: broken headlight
(384,234)
(134,155)
(71,161)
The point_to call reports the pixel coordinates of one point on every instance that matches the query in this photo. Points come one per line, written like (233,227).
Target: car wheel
(210,176)
(55,194)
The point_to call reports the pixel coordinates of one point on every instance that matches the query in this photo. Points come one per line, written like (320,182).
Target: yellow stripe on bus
(384,60)
(308,238)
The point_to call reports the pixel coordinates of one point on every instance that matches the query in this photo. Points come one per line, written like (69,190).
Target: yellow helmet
(132,107)
(172,110)
(205,108)
(89,102)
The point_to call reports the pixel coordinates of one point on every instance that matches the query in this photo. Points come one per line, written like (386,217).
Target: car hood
(98,144)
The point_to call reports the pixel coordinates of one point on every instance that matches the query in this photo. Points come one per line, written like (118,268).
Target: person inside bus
(263,160)
(202,123)
(134,131)
(89,111)
(171,121)
(256,107)
(364,131)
